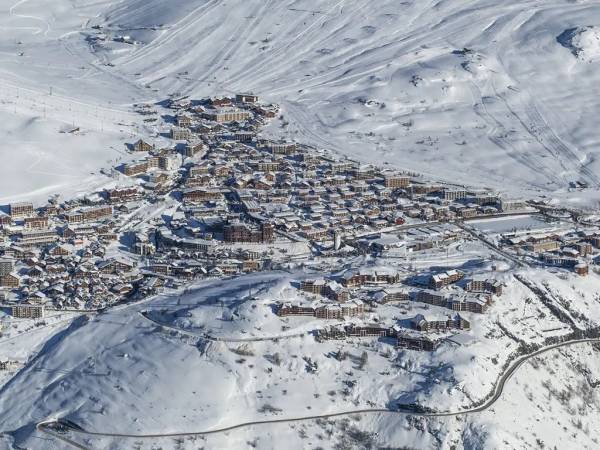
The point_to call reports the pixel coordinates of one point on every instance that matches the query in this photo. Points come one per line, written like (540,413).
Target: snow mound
(583,42)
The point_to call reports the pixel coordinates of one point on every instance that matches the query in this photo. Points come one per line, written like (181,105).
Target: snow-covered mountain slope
(159,379)
(497,93)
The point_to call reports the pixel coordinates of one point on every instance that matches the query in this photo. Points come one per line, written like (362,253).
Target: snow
(160,380)
(44,161)
(383,83)
(487,93)
(583,42)
(507,224)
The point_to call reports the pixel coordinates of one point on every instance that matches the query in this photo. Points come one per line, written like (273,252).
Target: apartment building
(21,209)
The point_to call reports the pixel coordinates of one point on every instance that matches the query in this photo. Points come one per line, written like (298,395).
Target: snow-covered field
(158,380)
(504,89)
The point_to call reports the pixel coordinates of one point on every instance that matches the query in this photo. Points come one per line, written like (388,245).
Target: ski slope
(387,82)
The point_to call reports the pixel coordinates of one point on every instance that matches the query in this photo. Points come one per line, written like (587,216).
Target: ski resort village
(299,225)
(312,274)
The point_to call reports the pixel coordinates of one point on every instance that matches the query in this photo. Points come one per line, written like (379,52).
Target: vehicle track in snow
(185,24)
(11,11)
(233,46)
(538,128)
(268,59)
(500,136)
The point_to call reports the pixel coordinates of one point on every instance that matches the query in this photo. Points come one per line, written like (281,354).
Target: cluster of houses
(58,256)
(344,310)
(403,338)
(574,250)
(229,172)
(237,197)
(413,335)
(343,298)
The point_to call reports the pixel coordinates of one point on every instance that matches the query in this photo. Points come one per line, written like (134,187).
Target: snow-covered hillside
(479,92)
(170,378)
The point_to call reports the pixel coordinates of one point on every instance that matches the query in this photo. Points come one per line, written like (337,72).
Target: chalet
(440,280)
(487,285)
(419,342)
(221,115)
(115,265)
(370,276)
(122,289)
(395,181)
(123,194)
(10,280)
(419,323)
(240,232)
(142,146)
(541,245)
(150,286)
(336,292)
(250,265)
(220,102)
(246,98)
(180,134)
(59,250)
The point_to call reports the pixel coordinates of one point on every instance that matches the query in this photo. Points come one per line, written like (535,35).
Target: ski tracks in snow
(38,30)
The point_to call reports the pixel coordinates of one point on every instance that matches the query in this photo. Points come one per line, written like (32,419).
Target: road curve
(498,390)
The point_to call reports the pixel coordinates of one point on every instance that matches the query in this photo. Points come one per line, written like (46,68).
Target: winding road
(49,426)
